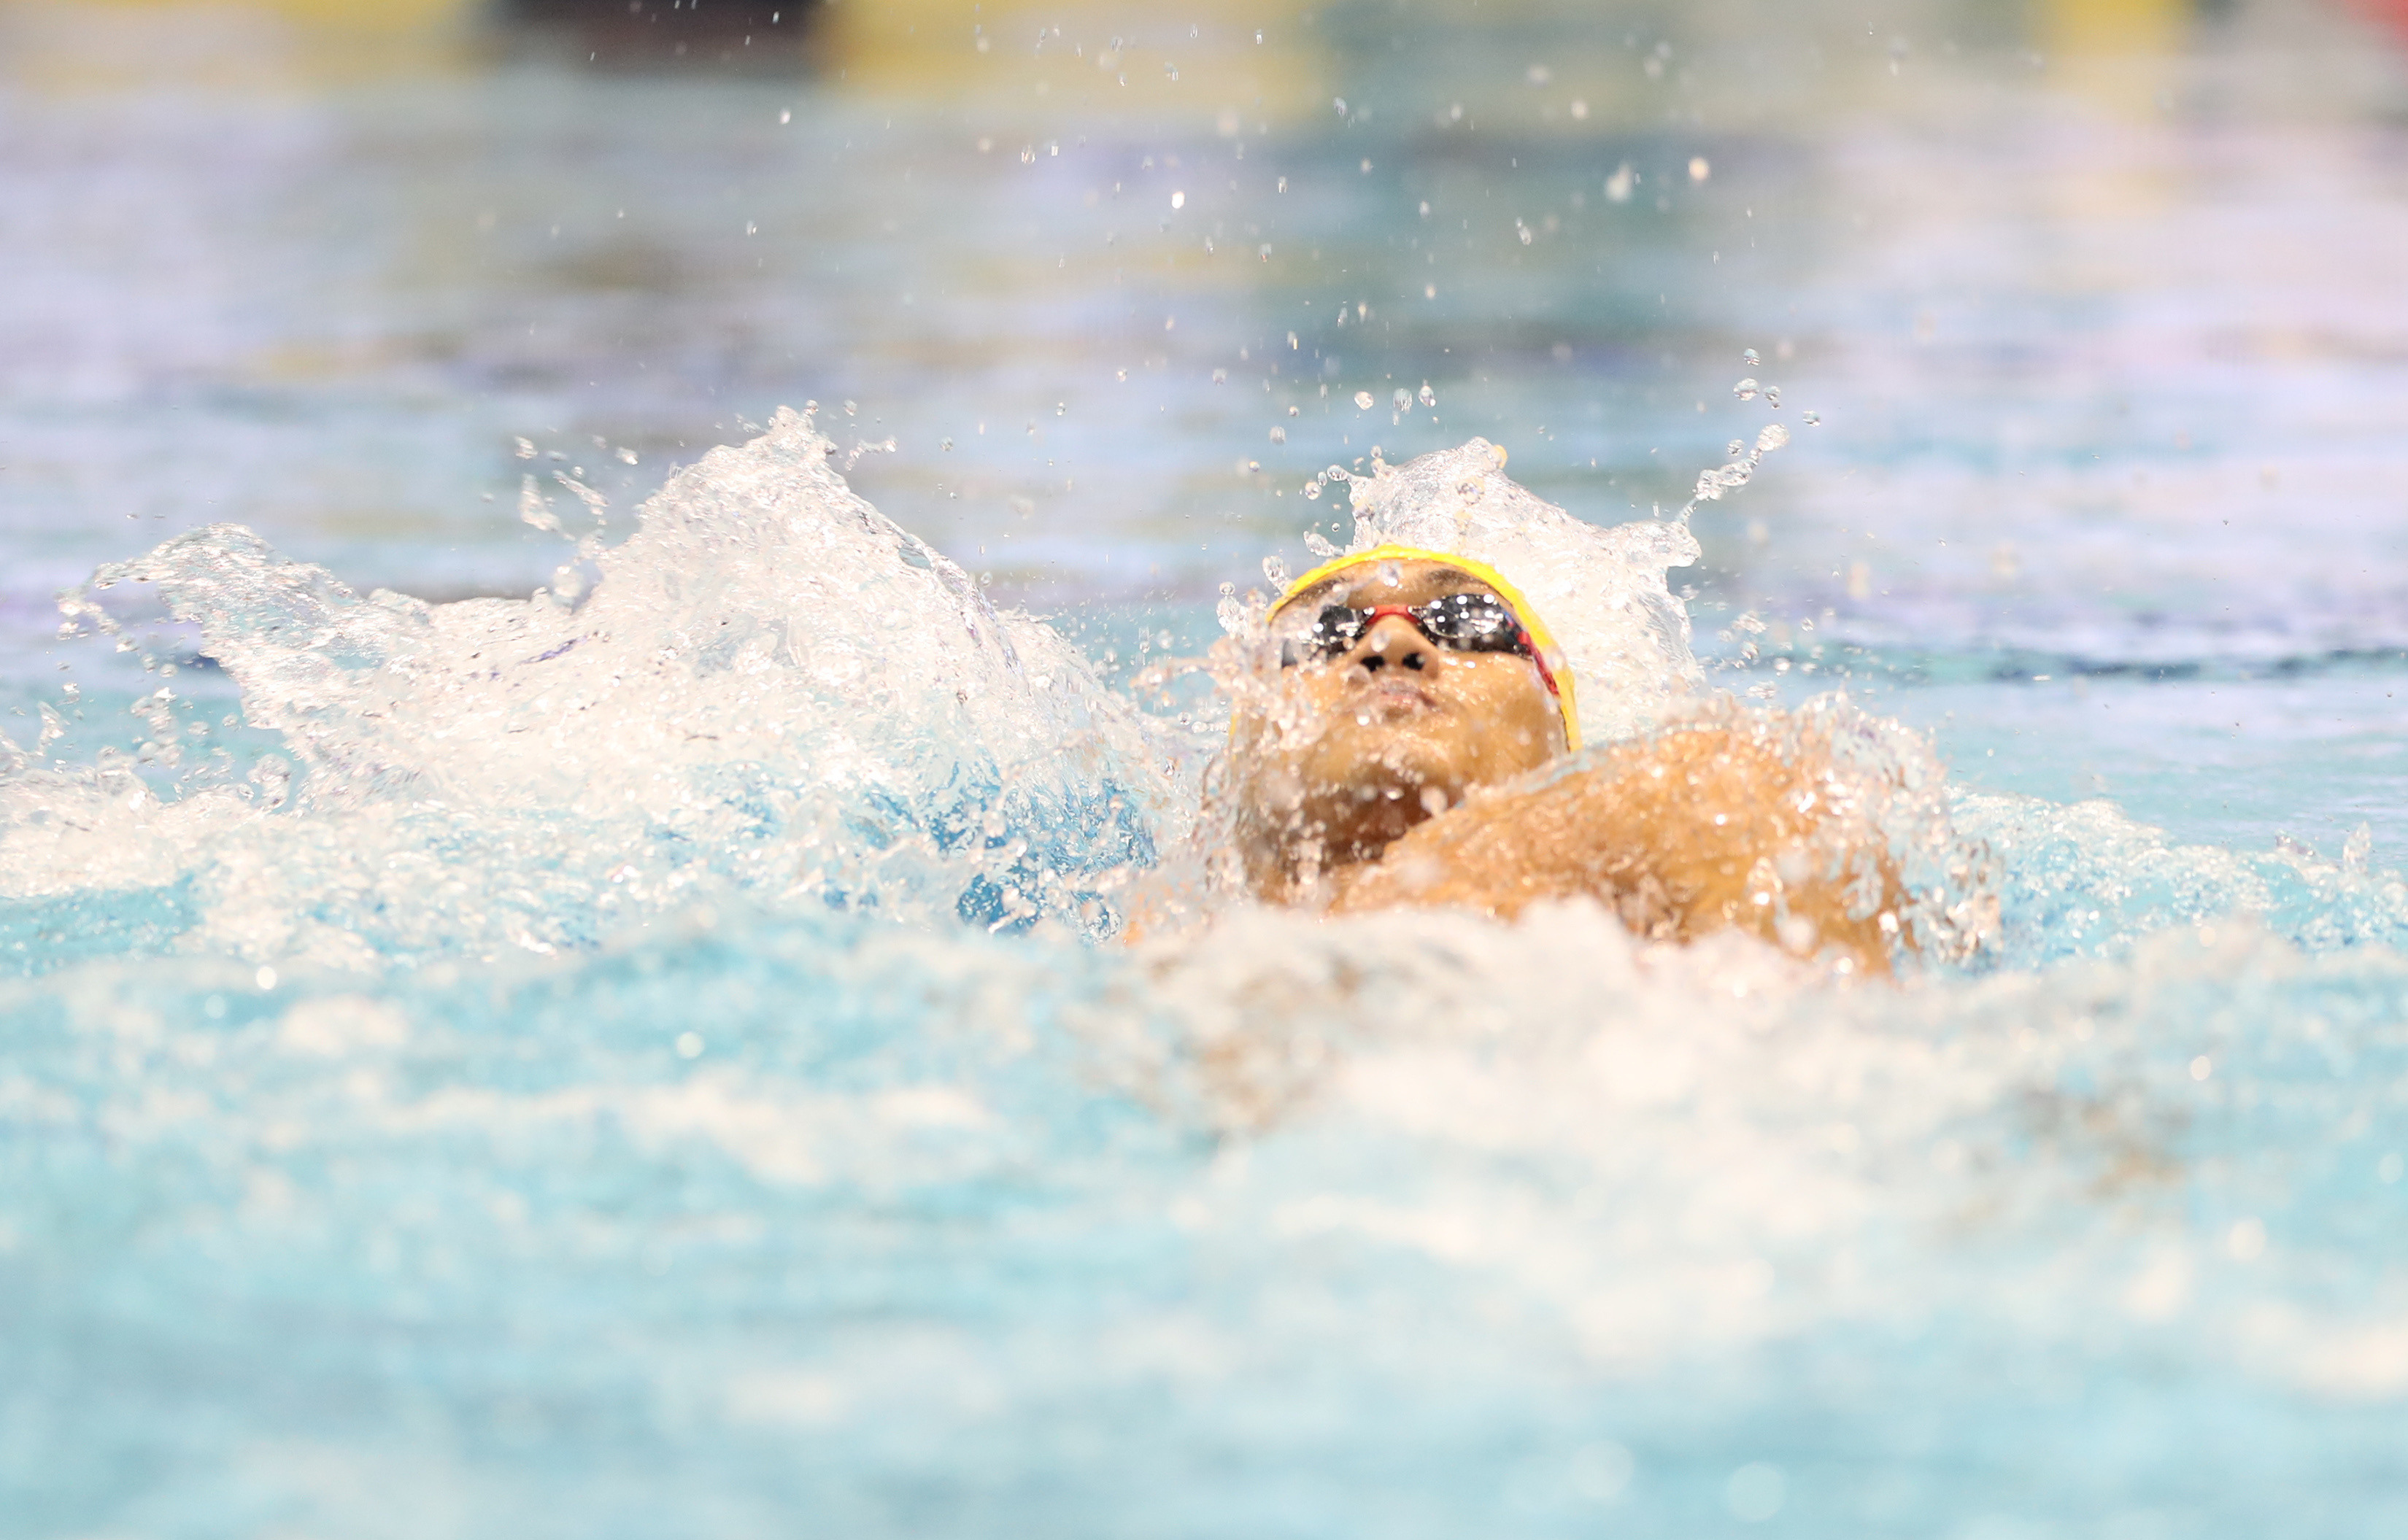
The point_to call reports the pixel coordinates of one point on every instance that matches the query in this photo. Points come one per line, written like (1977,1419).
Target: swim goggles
(1500,621)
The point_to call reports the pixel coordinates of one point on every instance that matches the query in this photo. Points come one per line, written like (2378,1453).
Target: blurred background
(2090,316)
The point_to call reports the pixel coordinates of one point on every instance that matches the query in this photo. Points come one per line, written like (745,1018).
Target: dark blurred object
(741,36)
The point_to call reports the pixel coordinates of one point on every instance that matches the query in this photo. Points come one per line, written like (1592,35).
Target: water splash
(1602,590)
(773,692)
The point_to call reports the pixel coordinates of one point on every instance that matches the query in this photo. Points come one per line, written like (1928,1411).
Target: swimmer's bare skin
(1387,777)
(1694,831)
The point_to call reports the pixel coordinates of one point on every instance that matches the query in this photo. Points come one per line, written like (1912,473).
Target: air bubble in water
(1362,400)
(1745,389)
(1750,358)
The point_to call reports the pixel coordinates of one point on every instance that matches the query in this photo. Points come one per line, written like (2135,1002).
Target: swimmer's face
(1356,745)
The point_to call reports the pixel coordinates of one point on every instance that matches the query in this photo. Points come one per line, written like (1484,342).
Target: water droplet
(1732,448)
(1279,436)
(1814,419)
(1320,547)
(1179,200)
(1750,358)
(1313,489)
(1771,439)
(1295,411)
(1429,397)
(1362,400)
(1745,389)
(2246,1240)
(1601,1470)
(1699,168)
(1404,398)
(1772,397)
(1754,1492)
(1617,187)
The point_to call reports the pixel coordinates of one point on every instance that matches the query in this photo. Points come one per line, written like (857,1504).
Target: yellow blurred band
(1541,641)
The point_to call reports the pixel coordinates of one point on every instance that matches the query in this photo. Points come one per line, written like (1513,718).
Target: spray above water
(771,696)
(772,691)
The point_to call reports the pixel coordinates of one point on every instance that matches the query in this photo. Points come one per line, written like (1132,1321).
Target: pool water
(521,1017)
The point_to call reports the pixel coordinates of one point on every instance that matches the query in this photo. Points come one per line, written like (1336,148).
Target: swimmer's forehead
(1405,580)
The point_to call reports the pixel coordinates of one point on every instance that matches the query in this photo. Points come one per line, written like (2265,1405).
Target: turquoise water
(652,1057)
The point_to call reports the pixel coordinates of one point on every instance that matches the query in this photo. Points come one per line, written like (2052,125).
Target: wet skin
(1403,772)
(1363,746)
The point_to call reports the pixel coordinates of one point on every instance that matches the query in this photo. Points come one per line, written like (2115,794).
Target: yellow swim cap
(1553,665)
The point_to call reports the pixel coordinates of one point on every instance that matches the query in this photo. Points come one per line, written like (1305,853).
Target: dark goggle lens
(1336,629)
(1472,623)
(1463,622)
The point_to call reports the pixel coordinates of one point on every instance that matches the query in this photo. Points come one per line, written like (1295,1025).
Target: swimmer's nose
(1393,640)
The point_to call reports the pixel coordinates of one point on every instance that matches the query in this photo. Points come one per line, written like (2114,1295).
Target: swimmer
(1413,743)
